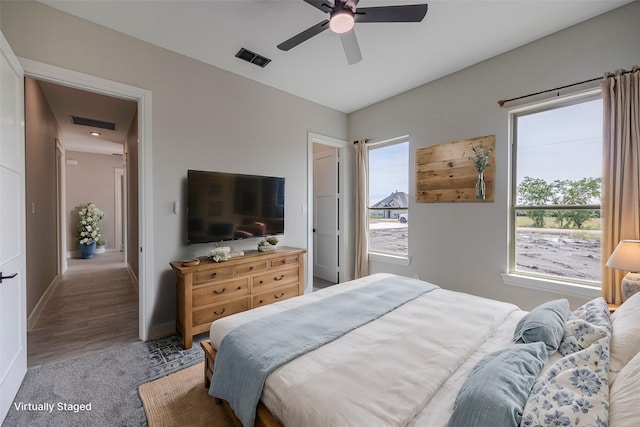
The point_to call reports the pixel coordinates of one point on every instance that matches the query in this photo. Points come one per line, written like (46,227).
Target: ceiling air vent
(252,57)
(83,121)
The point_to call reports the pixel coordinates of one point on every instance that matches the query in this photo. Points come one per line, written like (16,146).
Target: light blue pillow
(544,323)
(496,390)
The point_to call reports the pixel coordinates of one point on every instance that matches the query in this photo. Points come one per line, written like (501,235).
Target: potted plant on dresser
(89,217)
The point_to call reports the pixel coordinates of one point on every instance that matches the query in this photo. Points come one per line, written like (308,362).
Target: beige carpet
(180,399)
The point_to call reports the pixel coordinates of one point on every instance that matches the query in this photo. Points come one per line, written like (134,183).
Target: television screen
(226,206)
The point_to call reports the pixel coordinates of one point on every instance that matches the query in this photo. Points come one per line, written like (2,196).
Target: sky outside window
(388,171)
(563,143)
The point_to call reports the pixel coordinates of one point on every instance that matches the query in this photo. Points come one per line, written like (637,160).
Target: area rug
(99,389)
(181,399)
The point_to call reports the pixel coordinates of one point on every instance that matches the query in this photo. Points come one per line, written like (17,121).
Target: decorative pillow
(544,323)
(574,391)
(587,324)
(625,330)
(625,393)
(496,389)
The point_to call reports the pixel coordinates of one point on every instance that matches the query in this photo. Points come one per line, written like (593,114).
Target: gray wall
(203,118)
(464,246)
(41,131)
(92,180)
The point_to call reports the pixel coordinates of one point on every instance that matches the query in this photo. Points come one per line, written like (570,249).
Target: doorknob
(7,277)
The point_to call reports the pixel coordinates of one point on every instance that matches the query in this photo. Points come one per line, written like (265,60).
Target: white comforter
(404,368)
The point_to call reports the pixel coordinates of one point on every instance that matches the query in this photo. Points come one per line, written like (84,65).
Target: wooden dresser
(211,290)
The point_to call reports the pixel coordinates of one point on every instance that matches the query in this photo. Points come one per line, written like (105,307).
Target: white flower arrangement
(89,224)
(219,254)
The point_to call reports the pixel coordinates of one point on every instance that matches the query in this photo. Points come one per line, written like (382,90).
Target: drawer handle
(214,274)
(277,279)
(219,313)
(280,295)
(251,268)
(217,292)
(260,282)
(284,261)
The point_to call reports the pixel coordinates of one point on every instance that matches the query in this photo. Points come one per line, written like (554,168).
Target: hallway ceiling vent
(94,123)
(252,57)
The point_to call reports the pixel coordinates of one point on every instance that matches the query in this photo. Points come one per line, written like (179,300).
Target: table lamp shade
(626,257)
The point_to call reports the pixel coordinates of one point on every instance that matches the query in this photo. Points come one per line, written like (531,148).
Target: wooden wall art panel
(444,172)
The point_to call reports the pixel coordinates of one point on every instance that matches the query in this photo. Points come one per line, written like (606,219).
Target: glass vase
(481,188)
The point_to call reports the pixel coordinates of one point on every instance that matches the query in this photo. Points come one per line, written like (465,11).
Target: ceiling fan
(344,14)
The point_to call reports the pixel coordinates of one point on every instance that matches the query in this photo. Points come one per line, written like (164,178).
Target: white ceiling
(397,56)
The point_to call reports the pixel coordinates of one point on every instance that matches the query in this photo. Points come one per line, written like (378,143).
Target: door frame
(120,191)
(142,97)
(61,223)
(314,138)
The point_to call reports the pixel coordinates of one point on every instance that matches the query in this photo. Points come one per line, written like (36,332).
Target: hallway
(95,306)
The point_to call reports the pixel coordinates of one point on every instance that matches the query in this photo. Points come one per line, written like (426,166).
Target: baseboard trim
(44,299)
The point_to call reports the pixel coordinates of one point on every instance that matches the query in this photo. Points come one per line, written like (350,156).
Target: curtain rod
(621,72)
(356,141)
(504,101)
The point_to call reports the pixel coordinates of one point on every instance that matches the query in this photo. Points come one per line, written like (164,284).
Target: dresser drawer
(218,311)
(213,273)
(285,260)
(275,278)
(210,294)
(275,295)
(251,267)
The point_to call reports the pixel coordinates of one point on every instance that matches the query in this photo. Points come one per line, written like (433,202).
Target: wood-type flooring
(93,307)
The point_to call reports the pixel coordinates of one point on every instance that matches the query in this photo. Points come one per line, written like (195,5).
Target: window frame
(549,283)
(379,256)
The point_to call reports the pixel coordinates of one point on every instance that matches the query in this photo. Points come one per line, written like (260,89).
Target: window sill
(390,259)
(550,285)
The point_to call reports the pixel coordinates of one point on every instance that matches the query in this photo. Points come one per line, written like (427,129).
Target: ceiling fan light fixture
(341,21)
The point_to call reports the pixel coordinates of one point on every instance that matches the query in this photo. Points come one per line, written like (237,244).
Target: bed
(411,365)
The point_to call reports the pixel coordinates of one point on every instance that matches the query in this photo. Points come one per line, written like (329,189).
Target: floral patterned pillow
(586,325)
(573,392)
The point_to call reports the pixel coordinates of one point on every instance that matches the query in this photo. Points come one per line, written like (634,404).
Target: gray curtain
(362,205)
(621,171)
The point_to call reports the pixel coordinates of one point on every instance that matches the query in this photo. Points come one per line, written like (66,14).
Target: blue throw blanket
(250,352)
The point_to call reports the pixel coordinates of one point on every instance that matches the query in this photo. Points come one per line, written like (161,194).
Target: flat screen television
(228,206)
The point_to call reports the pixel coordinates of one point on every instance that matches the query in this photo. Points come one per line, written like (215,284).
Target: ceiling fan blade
(406,13)
(323,5)
(351,47)
(304,36)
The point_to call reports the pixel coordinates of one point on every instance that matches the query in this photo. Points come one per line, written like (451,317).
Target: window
(389,197)
(557,173)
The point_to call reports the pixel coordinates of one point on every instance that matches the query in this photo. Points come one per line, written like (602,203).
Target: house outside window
(389,197)
(556,191)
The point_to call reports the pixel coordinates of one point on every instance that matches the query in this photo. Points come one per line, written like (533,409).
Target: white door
(325,215)
(13,329)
